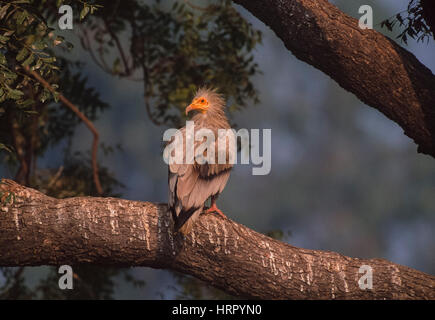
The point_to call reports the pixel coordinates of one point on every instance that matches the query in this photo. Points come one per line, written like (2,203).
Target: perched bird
(191,185)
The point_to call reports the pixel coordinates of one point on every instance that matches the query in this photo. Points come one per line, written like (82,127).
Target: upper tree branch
(374,68)
(39,230)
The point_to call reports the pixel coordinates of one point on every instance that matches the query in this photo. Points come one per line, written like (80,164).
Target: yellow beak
(196,106)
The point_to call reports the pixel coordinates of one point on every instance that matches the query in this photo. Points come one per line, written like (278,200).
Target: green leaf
(4,10)
(27,103)
(21,16)
(9,75)
(22,54)
(49,59)
(37,65)
(44,96)
(84,12)
(31,111)
(9,198)
(15,94)
(29,60)
(38,45)
(4,39)
(4,147)
(2,58)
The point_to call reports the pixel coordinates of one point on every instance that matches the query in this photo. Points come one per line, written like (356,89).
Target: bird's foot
(215,209)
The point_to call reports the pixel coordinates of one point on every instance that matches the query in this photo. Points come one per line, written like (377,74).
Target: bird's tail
(184,221)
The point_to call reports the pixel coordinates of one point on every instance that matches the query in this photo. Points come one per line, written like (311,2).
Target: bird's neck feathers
(213,118)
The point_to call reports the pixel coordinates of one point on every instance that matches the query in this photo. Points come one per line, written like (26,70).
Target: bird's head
(207,102)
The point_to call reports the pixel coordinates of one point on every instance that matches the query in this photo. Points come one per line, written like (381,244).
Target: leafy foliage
(26,40)
(414,22)
(152,43)
(171,48)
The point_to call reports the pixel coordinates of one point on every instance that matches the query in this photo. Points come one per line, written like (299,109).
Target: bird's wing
(212,170)
(181,180)
(212,177)
(190,185)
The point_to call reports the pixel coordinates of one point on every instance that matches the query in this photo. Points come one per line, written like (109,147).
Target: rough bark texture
(373,67)
(39,230)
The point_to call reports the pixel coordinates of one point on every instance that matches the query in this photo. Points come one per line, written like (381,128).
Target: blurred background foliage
(170,48)
(343,177)
(416,22)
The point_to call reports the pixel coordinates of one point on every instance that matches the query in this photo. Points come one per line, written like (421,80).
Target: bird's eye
(202,100)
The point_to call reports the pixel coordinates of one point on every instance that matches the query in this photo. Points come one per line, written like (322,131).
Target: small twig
(147,103)
(18,274)
(146,86)
(88,47)
(119,46)
(56,177)
(86,121)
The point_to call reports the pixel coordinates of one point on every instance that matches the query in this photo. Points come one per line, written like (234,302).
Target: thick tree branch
(39,230)
(374,68)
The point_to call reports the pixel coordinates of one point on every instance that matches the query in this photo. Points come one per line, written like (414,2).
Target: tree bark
(364,62)
(40,230)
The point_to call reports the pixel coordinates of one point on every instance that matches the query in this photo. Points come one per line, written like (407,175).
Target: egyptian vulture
(191,185)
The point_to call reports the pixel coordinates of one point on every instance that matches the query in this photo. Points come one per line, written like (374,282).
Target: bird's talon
(214,209)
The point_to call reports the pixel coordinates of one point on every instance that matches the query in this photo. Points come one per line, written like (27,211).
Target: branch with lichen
(221,252)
